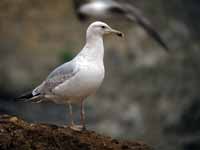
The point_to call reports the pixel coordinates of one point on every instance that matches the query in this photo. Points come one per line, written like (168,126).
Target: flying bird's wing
(135,15)
(114,9)
(77,4)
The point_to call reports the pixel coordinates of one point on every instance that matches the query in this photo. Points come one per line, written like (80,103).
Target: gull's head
(99,28)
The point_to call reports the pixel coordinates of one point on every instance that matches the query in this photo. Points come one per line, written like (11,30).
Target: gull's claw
(77,127)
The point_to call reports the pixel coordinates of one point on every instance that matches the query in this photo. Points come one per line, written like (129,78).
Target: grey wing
(134,14)
(56,77)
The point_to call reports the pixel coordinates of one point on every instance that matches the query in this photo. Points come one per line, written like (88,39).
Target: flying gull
(108,9)
(75,80)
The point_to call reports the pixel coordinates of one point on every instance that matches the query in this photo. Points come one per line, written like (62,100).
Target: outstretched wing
(135,15)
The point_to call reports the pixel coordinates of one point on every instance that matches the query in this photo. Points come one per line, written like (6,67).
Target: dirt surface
(16,134)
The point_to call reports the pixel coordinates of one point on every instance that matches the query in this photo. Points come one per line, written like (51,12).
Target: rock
(20,135)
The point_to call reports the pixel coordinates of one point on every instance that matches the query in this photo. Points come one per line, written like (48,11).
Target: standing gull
(77,79)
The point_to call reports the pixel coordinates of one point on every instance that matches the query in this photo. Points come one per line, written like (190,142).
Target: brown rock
(17,134)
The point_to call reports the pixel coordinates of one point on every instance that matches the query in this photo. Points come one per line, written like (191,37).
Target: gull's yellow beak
(118,33)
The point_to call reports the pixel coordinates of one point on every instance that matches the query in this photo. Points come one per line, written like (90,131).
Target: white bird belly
(83,84)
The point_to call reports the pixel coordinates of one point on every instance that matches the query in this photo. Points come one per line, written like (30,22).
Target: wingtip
(165,47)
(24,97)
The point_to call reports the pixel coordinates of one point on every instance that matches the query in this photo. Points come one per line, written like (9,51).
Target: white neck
(93,49)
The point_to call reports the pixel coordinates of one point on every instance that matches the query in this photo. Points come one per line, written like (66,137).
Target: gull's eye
(103,27)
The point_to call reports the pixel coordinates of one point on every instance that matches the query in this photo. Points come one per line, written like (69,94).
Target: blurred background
(148,94)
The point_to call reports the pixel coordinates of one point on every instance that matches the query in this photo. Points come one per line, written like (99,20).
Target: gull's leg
(83,115)
(71,115)
(71,124)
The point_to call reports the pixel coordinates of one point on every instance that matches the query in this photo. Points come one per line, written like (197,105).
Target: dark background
(147,94)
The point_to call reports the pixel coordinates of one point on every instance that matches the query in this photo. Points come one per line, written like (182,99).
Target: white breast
(84,83)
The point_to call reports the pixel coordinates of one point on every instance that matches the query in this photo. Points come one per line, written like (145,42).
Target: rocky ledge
(16,134)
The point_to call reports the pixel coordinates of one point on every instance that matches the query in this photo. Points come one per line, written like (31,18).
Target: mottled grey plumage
(56,77)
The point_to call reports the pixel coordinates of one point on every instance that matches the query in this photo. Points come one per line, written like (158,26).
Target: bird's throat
(95,48)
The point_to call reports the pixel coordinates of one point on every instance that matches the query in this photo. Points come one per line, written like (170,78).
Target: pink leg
(83,115)
(71,115)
